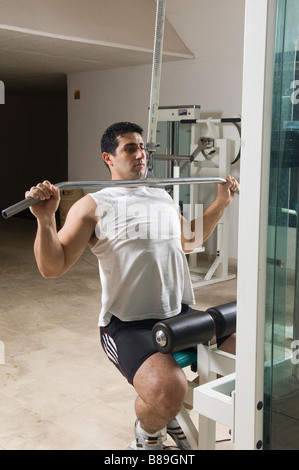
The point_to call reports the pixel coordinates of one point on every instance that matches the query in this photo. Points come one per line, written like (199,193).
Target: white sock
(139,428)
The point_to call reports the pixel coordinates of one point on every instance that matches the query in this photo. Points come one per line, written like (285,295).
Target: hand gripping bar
(25,203)
(185,331)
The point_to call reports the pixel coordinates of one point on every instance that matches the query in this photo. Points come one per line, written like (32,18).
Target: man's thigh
(128,344)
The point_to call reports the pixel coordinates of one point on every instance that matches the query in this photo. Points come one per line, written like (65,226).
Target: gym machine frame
(207,146)
(213,398)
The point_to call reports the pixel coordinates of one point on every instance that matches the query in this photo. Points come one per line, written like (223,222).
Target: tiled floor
(57,389)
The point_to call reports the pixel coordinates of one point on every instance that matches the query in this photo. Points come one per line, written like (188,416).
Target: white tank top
(143,269)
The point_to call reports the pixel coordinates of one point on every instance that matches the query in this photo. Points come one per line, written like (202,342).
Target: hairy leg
(161,386)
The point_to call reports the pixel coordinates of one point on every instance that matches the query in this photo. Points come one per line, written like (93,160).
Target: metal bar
(151,144)
(179,158)
(25,203)
(214,121)
(156,71)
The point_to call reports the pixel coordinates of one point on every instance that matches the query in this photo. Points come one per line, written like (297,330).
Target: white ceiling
(42,43)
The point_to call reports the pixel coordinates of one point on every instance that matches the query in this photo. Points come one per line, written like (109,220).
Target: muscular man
(139,239)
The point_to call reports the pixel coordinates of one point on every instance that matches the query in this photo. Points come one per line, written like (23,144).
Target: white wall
(213,30)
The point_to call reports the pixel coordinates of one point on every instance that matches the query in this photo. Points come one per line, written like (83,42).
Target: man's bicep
(78,229)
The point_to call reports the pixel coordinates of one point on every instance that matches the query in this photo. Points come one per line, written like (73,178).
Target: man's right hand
(49,196)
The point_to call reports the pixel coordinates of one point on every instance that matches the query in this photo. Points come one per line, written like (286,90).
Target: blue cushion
(185,358)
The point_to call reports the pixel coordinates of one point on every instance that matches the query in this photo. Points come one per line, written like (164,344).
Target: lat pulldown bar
(25,203)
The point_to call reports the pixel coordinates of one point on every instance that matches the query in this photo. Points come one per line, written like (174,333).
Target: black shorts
(129,344)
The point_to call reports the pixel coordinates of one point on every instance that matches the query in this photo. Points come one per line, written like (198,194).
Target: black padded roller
(178,333)
(225,317)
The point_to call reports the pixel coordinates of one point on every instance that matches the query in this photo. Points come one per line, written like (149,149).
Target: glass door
(281,412)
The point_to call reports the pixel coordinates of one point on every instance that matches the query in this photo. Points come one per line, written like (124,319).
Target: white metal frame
(218,270)
(258,71)
(210,399)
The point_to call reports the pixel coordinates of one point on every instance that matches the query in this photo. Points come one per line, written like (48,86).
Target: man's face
(129,161)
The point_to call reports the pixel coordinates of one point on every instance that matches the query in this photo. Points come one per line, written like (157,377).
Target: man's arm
(56,252)
(196,232)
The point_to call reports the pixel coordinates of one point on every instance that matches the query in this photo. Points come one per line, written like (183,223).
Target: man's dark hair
(109,141)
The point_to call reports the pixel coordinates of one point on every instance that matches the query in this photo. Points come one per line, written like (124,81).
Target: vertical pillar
(254,177)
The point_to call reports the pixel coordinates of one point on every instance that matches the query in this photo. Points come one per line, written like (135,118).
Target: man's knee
(170,393)
(164,386)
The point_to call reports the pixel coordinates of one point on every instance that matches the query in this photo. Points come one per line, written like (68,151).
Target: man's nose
(140,153)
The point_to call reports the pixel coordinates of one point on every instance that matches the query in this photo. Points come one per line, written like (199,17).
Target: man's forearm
(49,253)
(196,232)
(211,217)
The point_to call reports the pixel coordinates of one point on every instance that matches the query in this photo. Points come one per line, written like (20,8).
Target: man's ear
(107,158)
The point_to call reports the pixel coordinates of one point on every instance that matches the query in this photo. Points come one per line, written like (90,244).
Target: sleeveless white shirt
(143,269)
